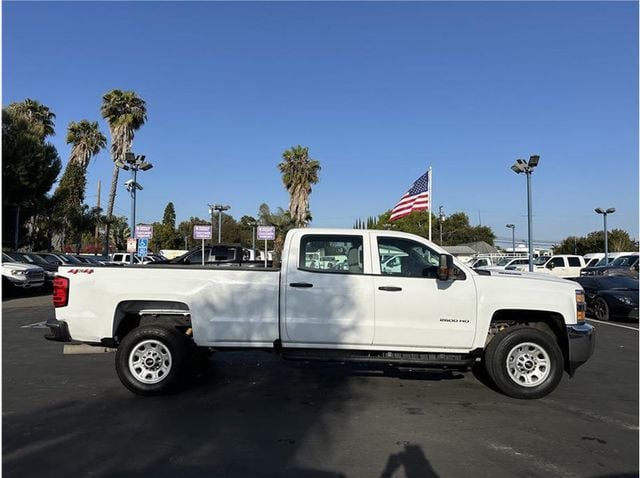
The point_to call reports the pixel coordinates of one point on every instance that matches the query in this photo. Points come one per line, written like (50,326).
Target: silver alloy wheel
(150,361)
(528,364)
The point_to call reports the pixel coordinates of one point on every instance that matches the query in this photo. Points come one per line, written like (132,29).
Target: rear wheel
(150,360)
(524,362)
(601,309)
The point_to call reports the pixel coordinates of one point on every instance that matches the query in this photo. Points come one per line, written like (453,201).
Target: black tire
(524,362)
(601,309)
(151,359)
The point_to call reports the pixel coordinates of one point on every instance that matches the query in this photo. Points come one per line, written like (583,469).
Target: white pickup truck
(430,311)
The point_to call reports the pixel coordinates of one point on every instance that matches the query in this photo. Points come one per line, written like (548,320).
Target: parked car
(509,263)
(564,265)
(593,258)
(59,259)
(125,258)
(16,275)
(622,265)
(92,260)
(611,297)
(228,255)
(35,260)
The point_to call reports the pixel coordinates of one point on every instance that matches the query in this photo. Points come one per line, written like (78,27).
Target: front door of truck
(412,307)
(328,291)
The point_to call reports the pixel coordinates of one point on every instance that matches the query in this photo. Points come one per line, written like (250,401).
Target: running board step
(439,360)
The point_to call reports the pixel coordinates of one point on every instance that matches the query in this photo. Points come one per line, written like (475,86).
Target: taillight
(60,291)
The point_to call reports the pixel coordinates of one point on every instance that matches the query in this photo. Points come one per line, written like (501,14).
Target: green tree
(455,229)
(618,241)
(125,113)
(185,231)
(299,173)
(39,116)
(247,225)
(283,223)
(119,232)
(30,166)
(86,141)
(165,235)
(169,216)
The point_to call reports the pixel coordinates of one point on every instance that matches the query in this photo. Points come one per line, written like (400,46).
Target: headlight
(624,299)
(18,272)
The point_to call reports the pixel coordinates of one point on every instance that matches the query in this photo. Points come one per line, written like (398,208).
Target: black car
(622,265)
(611,297)
(59,259)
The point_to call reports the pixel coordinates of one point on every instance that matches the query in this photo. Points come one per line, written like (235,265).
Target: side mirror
(445,268)
(550,265)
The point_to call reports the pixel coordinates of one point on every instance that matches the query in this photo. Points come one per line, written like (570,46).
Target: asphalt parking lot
(255,415)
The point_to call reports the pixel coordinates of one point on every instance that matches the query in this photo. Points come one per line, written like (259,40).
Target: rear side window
(329,253)
(574,262)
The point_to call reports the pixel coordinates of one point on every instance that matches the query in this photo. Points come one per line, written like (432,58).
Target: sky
(378,92)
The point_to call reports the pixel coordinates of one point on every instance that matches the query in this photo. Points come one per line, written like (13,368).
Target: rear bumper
(582,341)
(58,331)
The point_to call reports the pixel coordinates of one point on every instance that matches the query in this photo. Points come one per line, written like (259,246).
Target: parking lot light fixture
(604,213)
(219,208)
(134,163)
(513,237)
(522,166)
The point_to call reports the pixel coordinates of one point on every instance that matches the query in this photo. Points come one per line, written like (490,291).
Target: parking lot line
(614,325)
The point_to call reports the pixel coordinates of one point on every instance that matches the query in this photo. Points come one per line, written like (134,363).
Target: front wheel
(601,309)
(524,362)
(150,359)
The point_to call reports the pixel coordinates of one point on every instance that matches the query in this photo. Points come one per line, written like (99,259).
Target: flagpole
(430,198)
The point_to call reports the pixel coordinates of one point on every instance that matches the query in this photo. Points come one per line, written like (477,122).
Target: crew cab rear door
(328,291)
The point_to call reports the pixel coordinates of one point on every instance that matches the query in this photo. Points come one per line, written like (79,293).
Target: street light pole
(219,208)
(134,163)
(513,237)
(519,167)
(604,213)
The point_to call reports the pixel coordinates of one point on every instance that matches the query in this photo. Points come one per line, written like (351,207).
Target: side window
(329,253)
(195,257)
(555,262)
(406,258)
(574,262)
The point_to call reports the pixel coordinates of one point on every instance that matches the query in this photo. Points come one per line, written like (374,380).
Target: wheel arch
(550,322)
(130,314)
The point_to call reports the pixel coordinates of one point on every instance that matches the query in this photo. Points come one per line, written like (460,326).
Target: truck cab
(564,265)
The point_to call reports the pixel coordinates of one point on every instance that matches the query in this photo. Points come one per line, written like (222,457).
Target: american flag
(415,199)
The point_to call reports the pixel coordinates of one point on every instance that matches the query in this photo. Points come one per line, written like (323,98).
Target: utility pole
(97,234)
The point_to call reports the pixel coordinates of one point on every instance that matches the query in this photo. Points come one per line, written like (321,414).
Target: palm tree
(36,114)
(283,223)
(299,173)
(87,141)
(125,113)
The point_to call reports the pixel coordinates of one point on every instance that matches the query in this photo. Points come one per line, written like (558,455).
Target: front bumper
(58,331)
(582,341)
